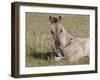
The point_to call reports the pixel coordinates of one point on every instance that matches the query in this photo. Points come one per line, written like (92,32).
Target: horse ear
(50,18)
(60,18)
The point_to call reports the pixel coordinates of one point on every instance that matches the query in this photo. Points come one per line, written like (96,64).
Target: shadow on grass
(40,55)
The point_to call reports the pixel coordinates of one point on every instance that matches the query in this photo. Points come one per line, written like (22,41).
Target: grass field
(39,42)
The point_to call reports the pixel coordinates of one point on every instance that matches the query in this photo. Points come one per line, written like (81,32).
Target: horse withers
(66,45)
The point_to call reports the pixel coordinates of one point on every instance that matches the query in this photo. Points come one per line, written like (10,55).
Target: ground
(39,41)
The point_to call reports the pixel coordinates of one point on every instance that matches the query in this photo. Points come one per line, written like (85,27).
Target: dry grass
(39,42)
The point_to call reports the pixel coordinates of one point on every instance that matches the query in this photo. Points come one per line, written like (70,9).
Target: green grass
(46,59)
(39,42)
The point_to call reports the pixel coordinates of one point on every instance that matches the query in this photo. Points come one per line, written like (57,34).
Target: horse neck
(66,34)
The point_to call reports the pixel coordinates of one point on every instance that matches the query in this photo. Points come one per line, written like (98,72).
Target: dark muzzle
(57,43)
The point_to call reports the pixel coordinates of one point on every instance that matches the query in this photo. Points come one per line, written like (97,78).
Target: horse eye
(60,30)
(51,31)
